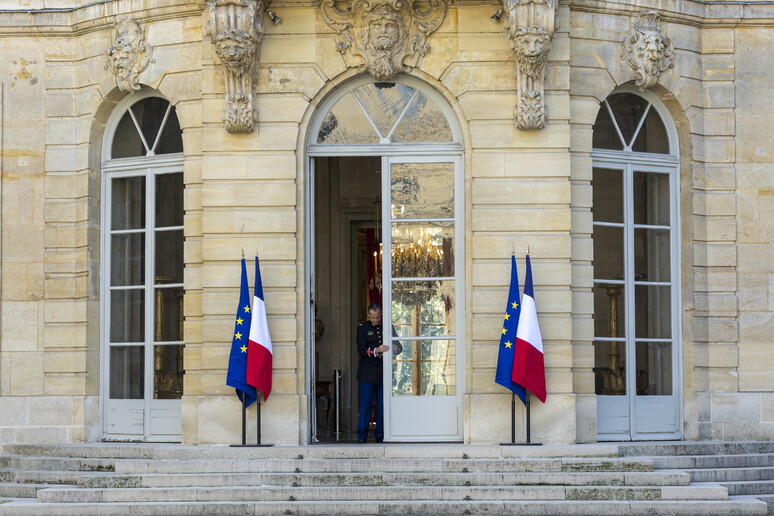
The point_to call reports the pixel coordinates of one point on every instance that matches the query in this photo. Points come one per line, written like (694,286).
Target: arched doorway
(636,269)
(142,271)
(386,204)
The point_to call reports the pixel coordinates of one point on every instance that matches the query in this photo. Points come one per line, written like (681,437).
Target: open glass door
(423,298)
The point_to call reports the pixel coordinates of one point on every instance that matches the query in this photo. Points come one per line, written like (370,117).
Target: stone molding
(647,50)
(235,28)
(129,56)
(531,26)
(384,33)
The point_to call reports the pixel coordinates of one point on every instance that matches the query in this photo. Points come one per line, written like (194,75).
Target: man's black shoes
(362,439)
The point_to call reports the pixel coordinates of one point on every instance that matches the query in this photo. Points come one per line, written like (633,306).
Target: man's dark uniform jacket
(369,337)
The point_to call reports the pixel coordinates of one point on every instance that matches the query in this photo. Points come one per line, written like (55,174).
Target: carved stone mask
(531,45)
(383,31)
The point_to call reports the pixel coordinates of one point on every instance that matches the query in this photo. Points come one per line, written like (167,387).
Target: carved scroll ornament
(129,56)
(531,27)
(384,33)
(235,28)
(647,50)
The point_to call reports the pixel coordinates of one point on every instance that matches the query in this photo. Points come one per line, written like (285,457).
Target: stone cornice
(101,15)
(91,18)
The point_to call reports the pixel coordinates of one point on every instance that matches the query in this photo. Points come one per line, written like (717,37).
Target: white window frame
(148,166)
(629,162)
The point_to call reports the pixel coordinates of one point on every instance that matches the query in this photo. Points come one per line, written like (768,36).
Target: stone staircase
(744,468)
(137,479)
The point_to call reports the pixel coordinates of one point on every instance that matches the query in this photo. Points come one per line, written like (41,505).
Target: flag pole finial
(513,250)
(528,249)
(243,254)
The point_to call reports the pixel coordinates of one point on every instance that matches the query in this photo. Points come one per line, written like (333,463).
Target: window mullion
(152,151)
(639,127)
(150,245)
(629,294)
(139,131)
(615,124)
(403,114)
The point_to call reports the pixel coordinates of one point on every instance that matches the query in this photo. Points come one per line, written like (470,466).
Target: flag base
(521,444)
(250,445)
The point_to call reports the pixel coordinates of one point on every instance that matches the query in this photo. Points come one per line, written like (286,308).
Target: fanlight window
(384,112)
(628,122)
(148,128)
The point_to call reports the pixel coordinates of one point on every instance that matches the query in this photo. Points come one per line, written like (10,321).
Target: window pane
(168,372)
(653,311)
(126,140)
(651,198)
(127,316)
(127,259)
(609,314)
(608,253)
(610,368)
(169,200)
(654,368)
(171,140)
(651,255)
(425,368)
(346,123)
(605,135)
(384,102)
(169,256)
(128,203)
(608,195)
(127,372)
(423,308)
(422,190)
(653,135)
(423,122)
(422,249)
(168,315)
(628,110)
(149,113)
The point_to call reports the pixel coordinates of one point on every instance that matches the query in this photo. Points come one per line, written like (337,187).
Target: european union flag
(237,363)
(508,338)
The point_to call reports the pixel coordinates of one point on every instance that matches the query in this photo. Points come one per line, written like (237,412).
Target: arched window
(636,268)
(142,270)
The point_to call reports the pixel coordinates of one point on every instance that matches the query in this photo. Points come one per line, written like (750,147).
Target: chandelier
(419,257)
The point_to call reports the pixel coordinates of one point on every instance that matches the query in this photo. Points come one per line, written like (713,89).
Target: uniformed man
(369,373)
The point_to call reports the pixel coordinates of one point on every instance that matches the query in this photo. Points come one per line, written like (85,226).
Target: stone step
(16,490)
(384,493)
(696,448)
(56,463)
(714,461)
(48,476)
(665,478)
(737,506)
(342,451)
(732,474)
(761,487)
(769,499)
(380,465)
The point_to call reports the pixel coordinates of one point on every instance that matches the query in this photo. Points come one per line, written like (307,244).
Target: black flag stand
(513,425)
(244,426)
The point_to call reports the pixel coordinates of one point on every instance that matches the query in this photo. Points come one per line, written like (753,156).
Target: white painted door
(423,286)
(636,327)
(143,304)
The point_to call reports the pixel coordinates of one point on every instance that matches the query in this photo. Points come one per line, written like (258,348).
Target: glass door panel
(423,401)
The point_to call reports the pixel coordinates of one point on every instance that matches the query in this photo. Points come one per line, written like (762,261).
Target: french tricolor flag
(528,368)
(259,352)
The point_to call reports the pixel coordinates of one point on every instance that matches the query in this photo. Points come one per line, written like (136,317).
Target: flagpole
(529,425)
(513,417)
(244,419)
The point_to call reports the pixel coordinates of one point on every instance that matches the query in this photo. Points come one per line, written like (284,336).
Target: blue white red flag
(508,338)
(259,350)
(236,376)
(528,367)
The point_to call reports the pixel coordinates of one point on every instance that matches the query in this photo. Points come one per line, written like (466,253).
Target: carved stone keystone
(235,28)
(384,33)
(531,26)
(647,50)
(129,56)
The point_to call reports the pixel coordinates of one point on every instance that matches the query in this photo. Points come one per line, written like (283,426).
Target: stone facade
(247,191)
